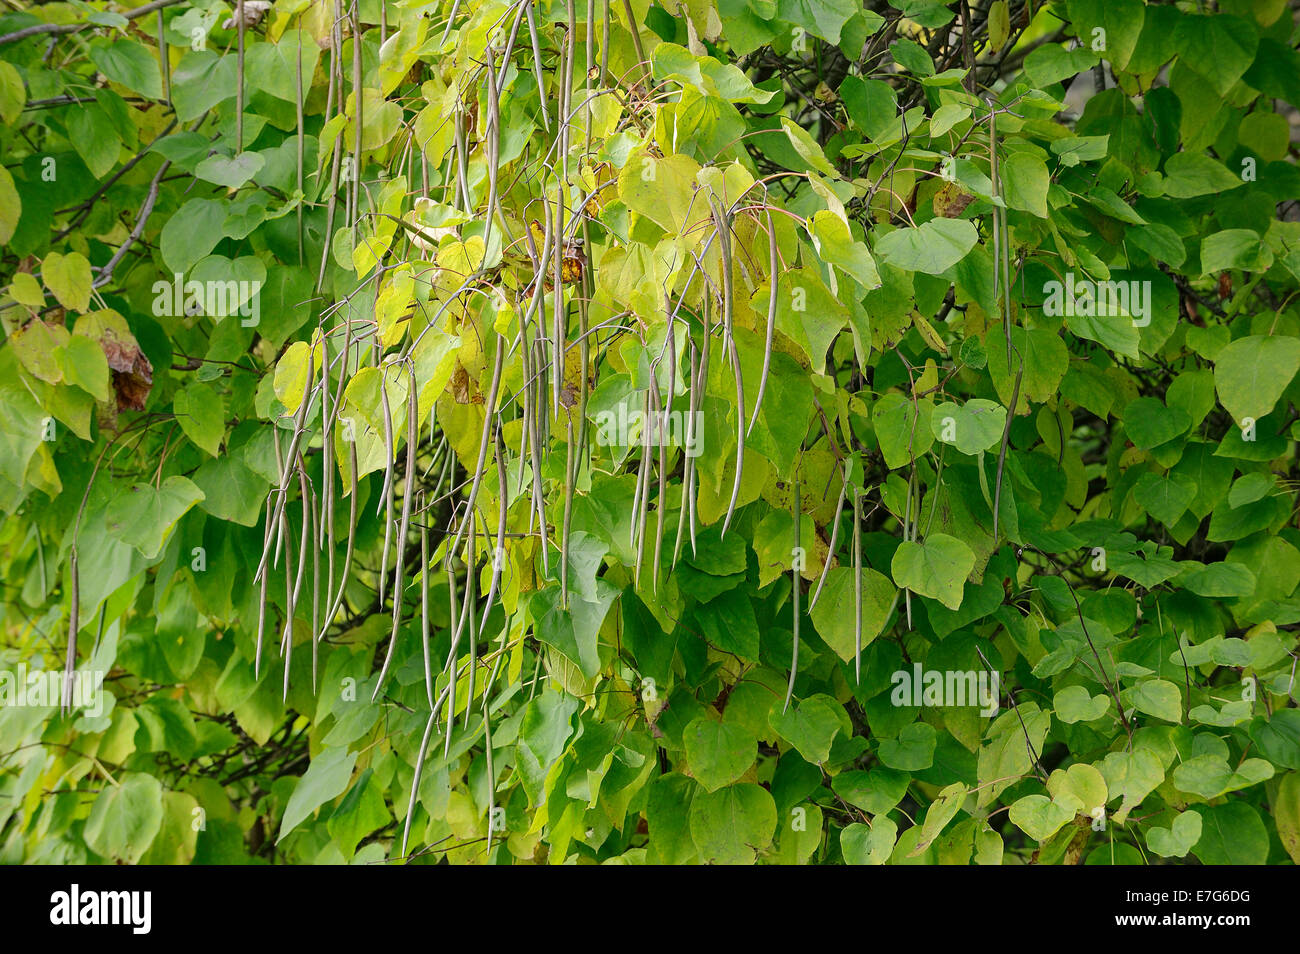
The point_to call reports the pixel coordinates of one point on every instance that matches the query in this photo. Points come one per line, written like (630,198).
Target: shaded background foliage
(253,523)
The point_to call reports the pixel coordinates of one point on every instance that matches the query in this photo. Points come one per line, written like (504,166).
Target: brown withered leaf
(460,384)
(951,201)
(132,388)
(132,372)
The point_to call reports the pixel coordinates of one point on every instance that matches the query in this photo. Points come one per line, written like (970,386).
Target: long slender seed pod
(450,665)
(493,134)
(491,770)
(419,760)
(327,412)
(857,585)
(239,86)
(415,781)
(359,120)
(796,592)
(489,413)
(510,43)
(567,520)
(315,593)
(539,498)
(165,58)
(689,464)
(636,40)
(424,605)
(305,494)
(771,319)
(74,621)
(559,312)
(408,495)
(386,496)
(704,387)
(604,46)
(286,635)
(471,594)
(723,224)
(261,600)
(503,509)
(671,342)
(301,143)
(642,502)
(451,18)
(537,63)
(352,538)
(835,536)
(285,463)
(654,429)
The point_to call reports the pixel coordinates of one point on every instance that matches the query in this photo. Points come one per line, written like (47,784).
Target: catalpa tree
(706,431)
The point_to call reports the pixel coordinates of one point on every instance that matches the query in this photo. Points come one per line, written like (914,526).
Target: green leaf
(144,516)
(1155,697)
(201,413)
(869,845)
(1234,248)
(807,148)
(13,96)
(326,778)
(1220,47)
(1189,174)
(362,811)
(1222,581)
(719,753)
(806,312)
(84,365)
(11,206)
(936,568)
(1133,775)
(1051,63)
(810,726)
(823,18)
(903,428)
(1042,355)
(835,615)
(231,490)
(1025,182)
(932,247)
(1251,373)
(731,825)
(94,137)
(1120,23)
(913,750)
(974,426)
(728,623)
(126,817)
(191,233)
(129,63)
(942,810)
(1286,812)
(1210,776)
(1178,839)
(836,246)
(1231,834)
(1040,817)
(1077,704)
(68,277)
(872,105)
(1278,736)
(1166,498)
(1149,423)
(231,172)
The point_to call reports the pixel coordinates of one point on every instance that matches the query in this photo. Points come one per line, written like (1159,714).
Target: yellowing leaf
(68,277)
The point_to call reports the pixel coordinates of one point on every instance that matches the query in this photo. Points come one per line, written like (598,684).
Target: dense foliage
(332,337)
